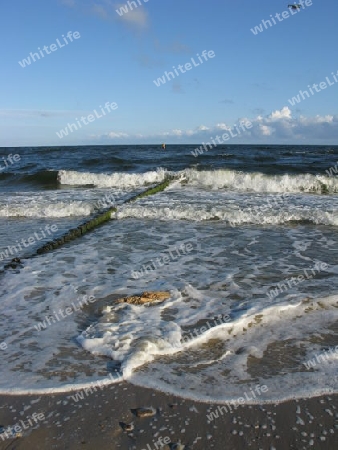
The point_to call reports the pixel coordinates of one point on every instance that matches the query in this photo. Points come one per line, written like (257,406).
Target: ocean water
(245,239)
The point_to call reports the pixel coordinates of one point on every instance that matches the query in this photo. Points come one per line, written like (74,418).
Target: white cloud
(322,119)
(177,132)
(298,129)
(282,129)
(114,135)
(135,17)
(223,126)
(284,113)
(266,130)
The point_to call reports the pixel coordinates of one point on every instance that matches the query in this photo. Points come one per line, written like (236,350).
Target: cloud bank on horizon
(124,47)
(279,125)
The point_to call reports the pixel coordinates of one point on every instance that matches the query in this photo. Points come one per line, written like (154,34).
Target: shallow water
(252,301)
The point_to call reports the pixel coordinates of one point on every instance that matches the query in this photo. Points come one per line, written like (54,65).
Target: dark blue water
(38,166)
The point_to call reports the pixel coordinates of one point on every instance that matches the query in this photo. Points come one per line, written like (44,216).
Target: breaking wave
(43,209)
(118,179)
(198,213)
(212,179)
(259,182)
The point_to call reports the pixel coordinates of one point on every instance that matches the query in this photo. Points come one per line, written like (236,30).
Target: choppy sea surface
(245,239)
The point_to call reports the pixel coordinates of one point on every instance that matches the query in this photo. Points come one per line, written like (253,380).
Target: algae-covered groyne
(98,219)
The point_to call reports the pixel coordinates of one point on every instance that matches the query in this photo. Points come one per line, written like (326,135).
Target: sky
(116,56)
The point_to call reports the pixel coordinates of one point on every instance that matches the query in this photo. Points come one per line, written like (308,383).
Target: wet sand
(94,422)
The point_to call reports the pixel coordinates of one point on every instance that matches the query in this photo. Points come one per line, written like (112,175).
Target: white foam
(259,182)
(230,271)
(46,209)
(232,214)
(60,203)
(247,337)
(117,179)
(214,179)
(121,327)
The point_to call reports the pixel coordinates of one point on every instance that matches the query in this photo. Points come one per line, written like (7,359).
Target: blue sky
(117,58)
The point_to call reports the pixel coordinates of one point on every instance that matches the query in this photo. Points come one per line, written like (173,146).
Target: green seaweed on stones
(97,220)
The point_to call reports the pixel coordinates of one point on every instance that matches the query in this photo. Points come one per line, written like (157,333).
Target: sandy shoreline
(94,422)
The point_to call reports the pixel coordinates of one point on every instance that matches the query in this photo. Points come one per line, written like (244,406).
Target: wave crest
(258,182)
(117,179)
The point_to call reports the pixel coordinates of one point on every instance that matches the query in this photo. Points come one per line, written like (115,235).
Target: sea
(244,239)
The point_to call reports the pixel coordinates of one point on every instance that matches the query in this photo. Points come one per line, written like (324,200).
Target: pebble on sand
(127,426)
(144,412)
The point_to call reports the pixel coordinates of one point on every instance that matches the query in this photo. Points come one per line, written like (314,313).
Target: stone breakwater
(97,220)
(74,233)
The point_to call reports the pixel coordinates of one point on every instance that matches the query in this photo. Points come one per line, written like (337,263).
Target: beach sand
(94,422)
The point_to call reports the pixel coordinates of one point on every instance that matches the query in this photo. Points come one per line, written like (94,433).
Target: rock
(127,426)
(15,263)
(144,412)
(146,297)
